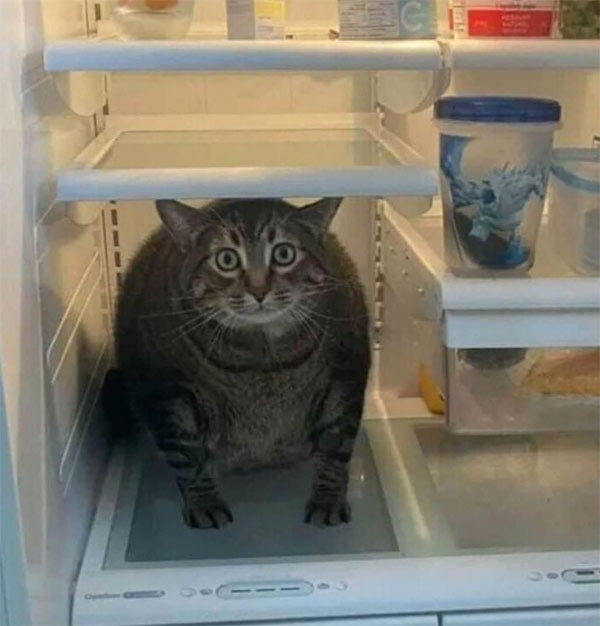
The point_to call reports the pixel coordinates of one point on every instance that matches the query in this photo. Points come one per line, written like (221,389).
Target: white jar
(495,157)
(152,19)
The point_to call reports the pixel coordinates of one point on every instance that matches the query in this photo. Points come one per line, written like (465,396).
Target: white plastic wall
(249,93)
(48,359)
(273,93)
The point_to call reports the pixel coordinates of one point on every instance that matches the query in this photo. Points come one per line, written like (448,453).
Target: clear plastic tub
(494,159)
(574,207)
(152,19)
(511,390)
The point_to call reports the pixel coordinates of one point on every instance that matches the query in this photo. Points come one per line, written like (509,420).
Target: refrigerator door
(13,591)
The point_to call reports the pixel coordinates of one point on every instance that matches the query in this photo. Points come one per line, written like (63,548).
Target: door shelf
(482,54)
(197,54)
(549,307)
(291,156)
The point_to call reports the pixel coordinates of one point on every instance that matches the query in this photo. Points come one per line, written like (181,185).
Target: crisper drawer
(519,390)
(551,617)
(498,356)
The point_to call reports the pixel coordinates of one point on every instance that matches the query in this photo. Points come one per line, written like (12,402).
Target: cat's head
(251,262)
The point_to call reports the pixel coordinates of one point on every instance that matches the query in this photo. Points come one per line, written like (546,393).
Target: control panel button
(206,592)
(582,575)
(187,592)
(535,576)
(264,589)
(341,585)
(323,586)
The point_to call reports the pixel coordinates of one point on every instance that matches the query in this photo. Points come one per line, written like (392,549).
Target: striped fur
(226,383)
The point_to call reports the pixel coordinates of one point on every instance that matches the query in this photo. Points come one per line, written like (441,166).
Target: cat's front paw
(205,514)
(327,512)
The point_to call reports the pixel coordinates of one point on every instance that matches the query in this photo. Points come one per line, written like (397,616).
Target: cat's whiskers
(193,324)
(158,314)
(331,317)
(317,291)
(181,298)
(202,322)
(217,334)
(308,325)
(318,326)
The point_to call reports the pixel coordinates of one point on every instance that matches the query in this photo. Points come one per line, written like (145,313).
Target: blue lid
(497,109)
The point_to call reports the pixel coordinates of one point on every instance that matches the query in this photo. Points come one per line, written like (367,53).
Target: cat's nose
(259,292)
(257,285)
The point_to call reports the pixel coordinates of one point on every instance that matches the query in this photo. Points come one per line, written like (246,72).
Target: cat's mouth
(259,315)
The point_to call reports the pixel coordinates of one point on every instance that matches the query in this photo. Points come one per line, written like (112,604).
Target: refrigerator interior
(63,261)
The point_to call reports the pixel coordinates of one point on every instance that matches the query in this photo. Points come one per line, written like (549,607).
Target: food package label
(496,18)
(386,19)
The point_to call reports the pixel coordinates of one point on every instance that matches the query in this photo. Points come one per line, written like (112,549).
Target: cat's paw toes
(327,512)
(211,514)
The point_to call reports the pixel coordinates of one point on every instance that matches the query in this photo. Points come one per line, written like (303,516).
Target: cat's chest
(269,421)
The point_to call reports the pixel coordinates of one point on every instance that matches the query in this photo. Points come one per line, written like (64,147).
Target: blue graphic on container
(488,212)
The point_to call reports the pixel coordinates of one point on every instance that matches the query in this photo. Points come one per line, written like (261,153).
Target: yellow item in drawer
(430,392)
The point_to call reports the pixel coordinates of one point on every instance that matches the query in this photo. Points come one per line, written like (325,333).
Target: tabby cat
(242,342)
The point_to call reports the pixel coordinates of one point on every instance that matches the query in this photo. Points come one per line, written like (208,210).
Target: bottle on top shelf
(152,19)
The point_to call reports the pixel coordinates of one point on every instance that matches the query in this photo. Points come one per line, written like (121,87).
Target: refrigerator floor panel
(268,508)
(507,516)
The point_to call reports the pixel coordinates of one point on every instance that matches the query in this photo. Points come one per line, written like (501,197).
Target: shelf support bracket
(84,93)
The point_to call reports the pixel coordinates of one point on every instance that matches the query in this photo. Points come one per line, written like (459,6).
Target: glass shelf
(246,148)
(342,159)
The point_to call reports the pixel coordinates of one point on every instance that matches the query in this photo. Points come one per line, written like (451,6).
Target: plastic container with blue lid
(497,109)
(574,207)
(494,159)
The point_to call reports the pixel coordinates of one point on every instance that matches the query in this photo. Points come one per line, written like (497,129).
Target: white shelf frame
(197,54)
(529,54)
(82,182)
(112,54)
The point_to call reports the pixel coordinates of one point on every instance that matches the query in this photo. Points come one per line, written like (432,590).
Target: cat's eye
(283,254)
(227,259)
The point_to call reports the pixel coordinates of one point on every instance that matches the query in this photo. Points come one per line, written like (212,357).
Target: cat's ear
(182,221)
(320,214)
